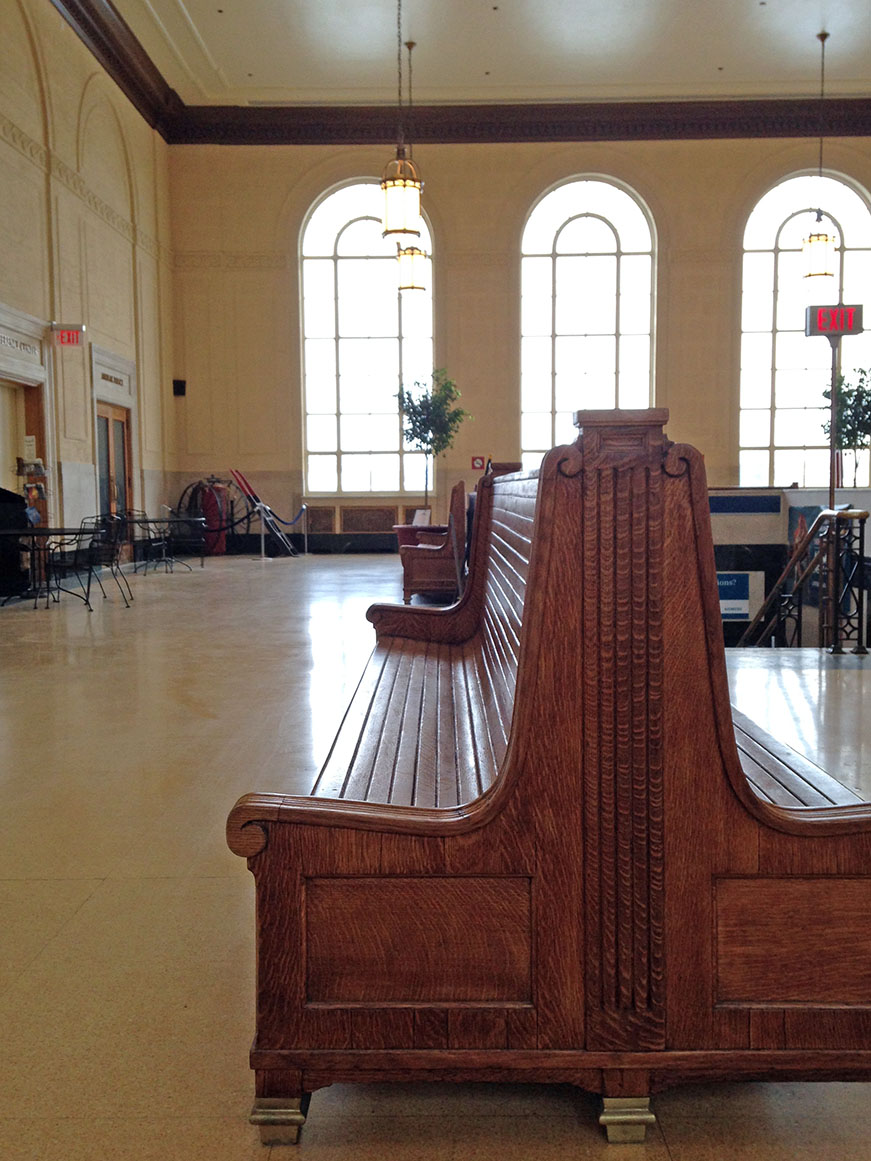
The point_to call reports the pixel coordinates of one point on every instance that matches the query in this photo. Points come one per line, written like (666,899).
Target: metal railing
(833,551)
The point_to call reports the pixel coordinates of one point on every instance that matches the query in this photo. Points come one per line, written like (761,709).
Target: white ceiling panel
(343,52)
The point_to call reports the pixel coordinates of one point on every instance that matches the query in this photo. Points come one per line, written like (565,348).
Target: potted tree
(852,416)
(430,419)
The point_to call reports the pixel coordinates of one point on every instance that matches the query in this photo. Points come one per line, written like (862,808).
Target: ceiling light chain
(400,180)
(819,246)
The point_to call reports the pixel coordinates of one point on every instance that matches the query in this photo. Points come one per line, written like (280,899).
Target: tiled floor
(126,970)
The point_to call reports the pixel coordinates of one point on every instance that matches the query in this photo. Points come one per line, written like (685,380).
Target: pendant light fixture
(819,246)
(400,180)
(413,261)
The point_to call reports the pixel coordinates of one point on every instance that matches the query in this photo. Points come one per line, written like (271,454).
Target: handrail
(829,517)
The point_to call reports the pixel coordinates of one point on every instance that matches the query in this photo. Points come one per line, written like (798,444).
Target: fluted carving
(623,748)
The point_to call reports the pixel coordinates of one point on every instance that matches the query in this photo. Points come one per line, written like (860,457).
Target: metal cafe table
(41,543)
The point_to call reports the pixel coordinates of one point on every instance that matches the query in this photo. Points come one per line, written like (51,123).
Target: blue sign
(734,590)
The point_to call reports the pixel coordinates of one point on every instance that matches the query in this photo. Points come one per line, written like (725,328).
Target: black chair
(96,546)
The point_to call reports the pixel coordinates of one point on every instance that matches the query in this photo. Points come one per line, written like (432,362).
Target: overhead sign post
(832,323)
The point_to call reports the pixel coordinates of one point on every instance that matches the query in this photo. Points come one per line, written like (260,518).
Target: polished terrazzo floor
(126,949)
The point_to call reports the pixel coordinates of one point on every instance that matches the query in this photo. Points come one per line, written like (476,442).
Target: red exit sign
(68,334)
(833,321)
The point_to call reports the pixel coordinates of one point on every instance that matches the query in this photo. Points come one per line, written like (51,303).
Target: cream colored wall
(84,237)
(237,214)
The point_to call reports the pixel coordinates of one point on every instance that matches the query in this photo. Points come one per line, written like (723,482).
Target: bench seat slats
(781,775)
(429,723)
(430,711)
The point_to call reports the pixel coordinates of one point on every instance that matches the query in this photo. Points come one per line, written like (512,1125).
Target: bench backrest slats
(511,521)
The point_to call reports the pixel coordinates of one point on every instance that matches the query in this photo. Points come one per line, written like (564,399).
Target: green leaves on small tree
(430,419)
(852,415)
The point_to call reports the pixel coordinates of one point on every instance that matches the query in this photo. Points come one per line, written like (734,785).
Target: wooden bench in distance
(434,565)
(533,853)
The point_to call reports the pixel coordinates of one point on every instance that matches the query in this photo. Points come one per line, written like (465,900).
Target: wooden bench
(533,853)
(434,565)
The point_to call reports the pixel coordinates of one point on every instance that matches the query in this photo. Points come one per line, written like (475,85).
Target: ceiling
(343,52)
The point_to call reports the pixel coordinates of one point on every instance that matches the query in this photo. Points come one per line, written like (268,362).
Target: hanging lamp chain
(822,37)
(400,135)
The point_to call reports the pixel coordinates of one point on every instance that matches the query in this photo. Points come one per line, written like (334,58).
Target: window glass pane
(753,468)
(368,374)
(756,386)
(635,371)
(756,301)
(370,432)
(535,374)
(755,428)
(585,373)
(363,237)
(756,351)
(320,375)
(795,388)
(857,279)
(413,472)
(536,430)
(321,433)
(322,474)
(796,351)
(536,304)
(370,473)
(416,361)
(586,235)
(416,308)
(808,469)
(799,426)
(585,296)
(635,295)
(319,303)
(368,297)
(531,460)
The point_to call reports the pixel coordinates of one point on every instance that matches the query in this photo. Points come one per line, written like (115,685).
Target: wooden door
(113,458)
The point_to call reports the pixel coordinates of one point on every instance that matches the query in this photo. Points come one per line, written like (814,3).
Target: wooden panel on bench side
(403,940)
(794,941)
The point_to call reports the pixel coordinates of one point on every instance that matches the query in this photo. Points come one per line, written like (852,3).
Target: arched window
(362,340)
(587,286)
(783,372)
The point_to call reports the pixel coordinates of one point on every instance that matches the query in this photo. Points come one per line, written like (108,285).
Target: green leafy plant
(852,415)
(430,419)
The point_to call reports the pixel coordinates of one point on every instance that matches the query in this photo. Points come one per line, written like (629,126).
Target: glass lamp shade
(402,185)
(819,255)
(412,267)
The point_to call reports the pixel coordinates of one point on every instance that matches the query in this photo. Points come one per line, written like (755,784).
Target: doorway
(12,432)
(114,477)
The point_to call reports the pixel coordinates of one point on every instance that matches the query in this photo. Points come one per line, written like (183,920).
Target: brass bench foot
(626,1119)
(280,1119)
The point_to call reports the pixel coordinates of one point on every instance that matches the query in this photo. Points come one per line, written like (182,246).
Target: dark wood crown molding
(100,27)
(449,124)
(104,32)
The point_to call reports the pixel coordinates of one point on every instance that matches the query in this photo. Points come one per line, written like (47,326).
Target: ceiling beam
(102,29)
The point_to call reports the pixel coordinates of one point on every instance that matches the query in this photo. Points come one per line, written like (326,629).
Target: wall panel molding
(60,171)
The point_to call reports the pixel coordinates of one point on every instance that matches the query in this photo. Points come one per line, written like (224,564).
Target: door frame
(25,358)
(113,381)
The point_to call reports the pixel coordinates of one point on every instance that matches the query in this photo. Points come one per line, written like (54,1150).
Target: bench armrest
(450,625)
(253,813)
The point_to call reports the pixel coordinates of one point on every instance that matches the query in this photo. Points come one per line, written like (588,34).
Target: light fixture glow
(401,180)
(413,267)
(819,246)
